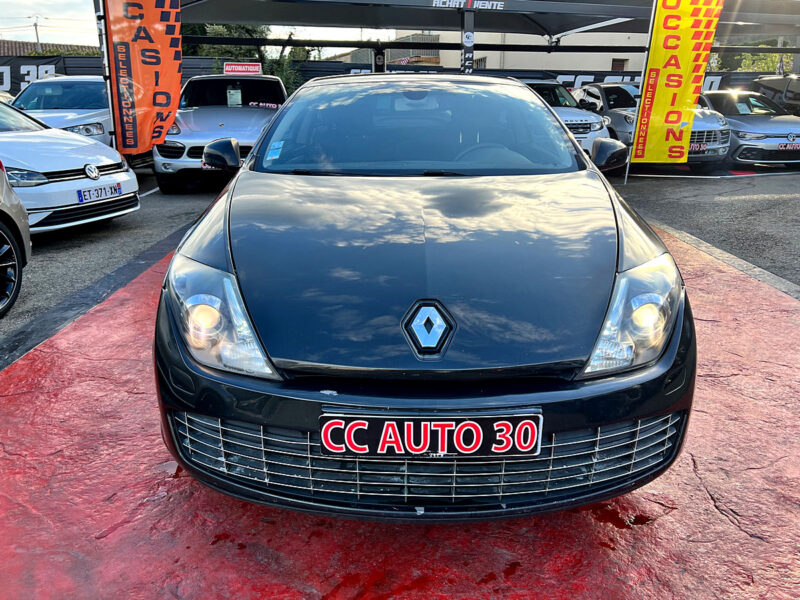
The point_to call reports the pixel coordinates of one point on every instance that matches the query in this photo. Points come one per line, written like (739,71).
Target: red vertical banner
(143,50)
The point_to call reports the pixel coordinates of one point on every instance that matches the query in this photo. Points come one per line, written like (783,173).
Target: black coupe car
(419,299)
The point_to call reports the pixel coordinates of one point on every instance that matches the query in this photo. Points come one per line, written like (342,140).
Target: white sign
(242,68)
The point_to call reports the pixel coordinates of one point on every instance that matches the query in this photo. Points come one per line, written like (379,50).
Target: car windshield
(13,120)
(67,95)
(416,128)
(745,104)
(621,96)
(554,95)
(233,92)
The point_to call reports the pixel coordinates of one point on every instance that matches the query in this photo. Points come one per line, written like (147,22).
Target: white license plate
(697,147)
(100,192)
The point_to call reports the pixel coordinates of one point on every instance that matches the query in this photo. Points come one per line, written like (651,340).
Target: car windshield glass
(554,95)
(68,95)
(233,92)
(13,120)
(417,127)
(621,96)
(746,104)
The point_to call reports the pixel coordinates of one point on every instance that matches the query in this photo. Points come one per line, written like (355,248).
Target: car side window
(703,103)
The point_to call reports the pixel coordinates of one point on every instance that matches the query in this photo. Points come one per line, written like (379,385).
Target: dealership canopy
(549,18)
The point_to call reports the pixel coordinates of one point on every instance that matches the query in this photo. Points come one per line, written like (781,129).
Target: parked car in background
(211,107)
(15,243)
(763,132)
(784,90)
(6,97)
(74,103)
(709,141)
(585,125)
(63,178)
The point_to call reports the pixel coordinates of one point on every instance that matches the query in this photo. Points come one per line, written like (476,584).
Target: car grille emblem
(91,171)
(791,137)
(428,328)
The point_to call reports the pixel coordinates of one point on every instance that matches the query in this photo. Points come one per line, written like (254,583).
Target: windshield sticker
(744,108)
(274,150)
(234,97)
(265,105)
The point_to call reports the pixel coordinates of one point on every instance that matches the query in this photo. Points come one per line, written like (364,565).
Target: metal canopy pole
(467,40)
(105,46)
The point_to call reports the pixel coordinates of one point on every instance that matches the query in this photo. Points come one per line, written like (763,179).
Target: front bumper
(259,440)
(770,150)
(587,140)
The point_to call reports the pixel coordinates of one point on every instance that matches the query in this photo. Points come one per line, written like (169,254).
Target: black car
(418,299)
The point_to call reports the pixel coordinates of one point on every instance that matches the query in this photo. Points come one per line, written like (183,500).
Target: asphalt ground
(754,218)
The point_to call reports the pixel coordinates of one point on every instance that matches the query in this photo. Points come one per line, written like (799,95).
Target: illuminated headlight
(23,178)
(213,320)
(746,135)
(629,119)
(174,129)
(596,125)
(87,129)
(606,121)
(640,317)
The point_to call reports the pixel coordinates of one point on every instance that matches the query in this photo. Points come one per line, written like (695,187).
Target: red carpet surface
(92,507)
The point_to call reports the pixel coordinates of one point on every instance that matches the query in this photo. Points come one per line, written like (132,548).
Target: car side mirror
(609,154)
(223,154)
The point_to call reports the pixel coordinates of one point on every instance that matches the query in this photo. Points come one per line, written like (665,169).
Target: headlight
(746,135)
(596,125)
(174,129)
(629,119)
(23,178)
(213,320)
(87,129)
(606,121)
(640,317)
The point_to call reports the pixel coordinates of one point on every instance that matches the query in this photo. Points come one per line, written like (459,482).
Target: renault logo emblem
(91,171)
(428,328)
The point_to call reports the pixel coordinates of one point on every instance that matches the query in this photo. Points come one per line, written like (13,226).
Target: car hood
(221,121)
(569,114)
(56,150)
(69,118)
(781,124)
(704,119)
(328,266)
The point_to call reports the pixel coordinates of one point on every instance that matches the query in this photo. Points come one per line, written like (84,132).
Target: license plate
(696,147)
(788,146)
(433,437)
(99,193)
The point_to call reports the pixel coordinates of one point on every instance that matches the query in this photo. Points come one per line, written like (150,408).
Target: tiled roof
(18,48)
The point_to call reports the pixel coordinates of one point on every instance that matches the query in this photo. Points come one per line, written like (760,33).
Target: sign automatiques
(680,43)
(144,60)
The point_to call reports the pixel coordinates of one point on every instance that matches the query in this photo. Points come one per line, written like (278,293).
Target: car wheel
(170,184)
(10,269)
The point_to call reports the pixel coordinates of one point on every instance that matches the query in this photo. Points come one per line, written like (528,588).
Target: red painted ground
(91,507)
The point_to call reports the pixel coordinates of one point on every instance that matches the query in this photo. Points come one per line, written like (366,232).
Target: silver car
(15,244)
(213,107)
(763,132)
(710,138)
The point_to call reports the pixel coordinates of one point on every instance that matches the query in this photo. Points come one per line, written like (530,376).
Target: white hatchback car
(63,178)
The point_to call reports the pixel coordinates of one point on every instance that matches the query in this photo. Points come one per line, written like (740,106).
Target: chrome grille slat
(577,460)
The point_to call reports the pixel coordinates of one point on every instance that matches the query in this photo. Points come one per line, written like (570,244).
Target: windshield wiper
(442,173)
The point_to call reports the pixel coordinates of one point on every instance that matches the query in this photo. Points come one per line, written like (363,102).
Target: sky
(73,22)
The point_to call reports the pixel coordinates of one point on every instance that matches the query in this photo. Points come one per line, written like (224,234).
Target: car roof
(359,78)
(729,92)
(543,81)
(234,76)
(78,78)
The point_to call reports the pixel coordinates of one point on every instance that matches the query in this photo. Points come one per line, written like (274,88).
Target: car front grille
(197,151)
(170,150)
(68,174)
(579,128)
(761,155)
(90,210)
(712,136)
(288,463)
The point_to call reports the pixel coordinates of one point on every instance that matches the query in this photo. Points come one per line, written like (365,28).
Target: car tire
(10,269)
(170,184)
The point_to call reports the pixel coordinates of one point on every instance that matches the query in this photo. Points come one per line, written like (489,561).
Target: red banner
(143,49)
